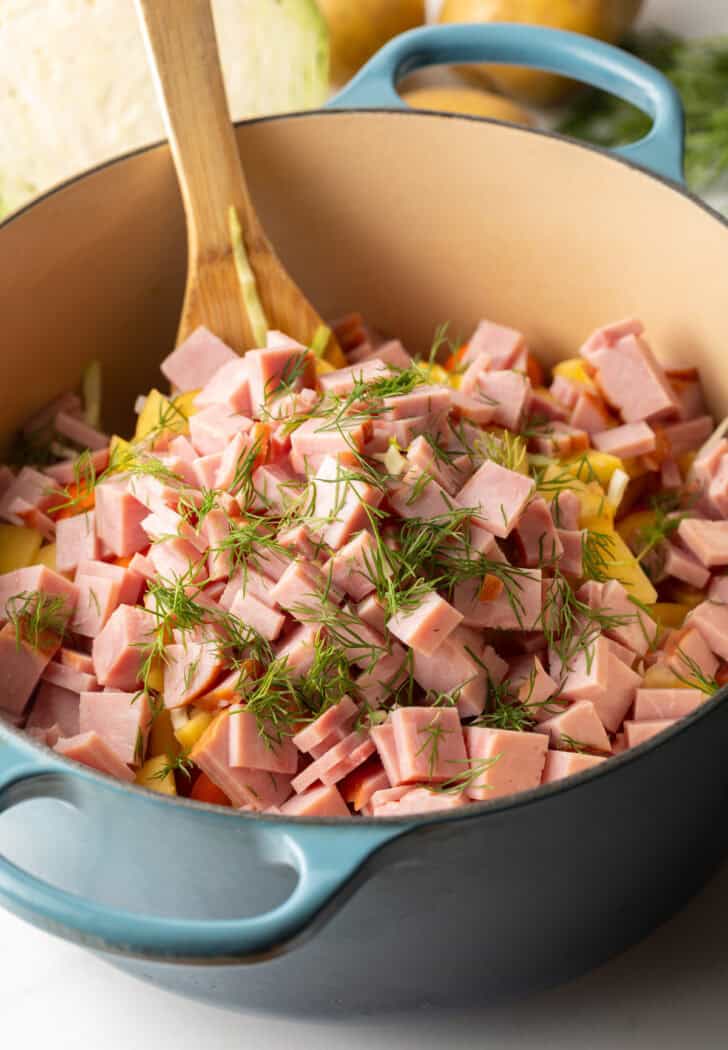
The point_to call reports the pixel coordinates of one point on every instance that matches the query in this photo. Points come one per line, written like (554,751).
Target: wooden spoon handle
(183,54)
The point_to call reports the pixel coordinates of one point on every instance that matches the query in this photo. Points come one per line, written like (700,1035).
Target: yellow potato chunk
(19,547)
(150,776)
(188,734)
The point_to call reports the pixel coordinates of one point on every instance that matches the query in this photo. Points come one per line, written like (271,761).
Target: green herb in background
(699,70)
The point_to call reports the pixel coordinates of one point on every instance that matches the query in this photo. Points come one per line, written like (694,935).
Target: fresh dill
(40,620)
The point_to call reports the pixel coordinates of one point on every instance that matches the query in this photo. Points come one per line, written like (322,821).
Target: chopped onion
(617,487)
(179,717)
(394,461)
(139,404)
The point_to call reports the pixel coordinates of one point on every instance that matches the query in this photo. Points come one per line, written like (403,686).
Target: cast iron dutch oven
(413,219)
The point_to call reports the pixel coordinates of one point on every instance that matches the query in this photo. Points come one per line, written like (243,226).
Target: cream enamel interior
(411,218)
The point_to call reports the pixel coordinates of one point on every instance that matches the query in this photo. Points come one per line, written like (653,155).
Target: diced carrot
(491,589)
(721,676)
(203,790)
(260,435)
(454,359)
(534,370)
(81,500)
(122,561)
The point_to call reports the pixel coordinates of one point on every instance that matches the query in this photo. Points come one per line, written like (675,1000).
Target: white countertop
(667,993)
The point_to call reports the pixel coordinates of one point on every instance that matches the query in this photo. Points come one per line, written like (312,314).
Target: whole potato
(358,28)
(605,19)
(473,101)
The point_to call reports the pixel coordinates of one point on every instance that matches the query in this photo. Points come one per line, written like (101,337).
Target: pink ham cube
(508,392)
(119,517)
(97,599)
(36,578)
(90,749)
(578,726)
(70,678)
(536,535)
(337,762)
(378,684)
(654,705)
(422,401)
(32,488)
(195,361)
(637,733)
(583,676)
(707,540)
(255,789)
(711,620)
(627,441)
(560,764)
(190,670)
(340,716)
(683,566)
(298,649)
(213,428)
(256,614)
(633,382)
(687,651)
(276,370)
(385,743)
(319,801)
(229,386)
(259,745)
(503,761)
(352,566)
(416,801)
(55,706)
(122,719)
(340,502)
(518,606)
(128,582)
(425,627)
(418,496)
(119,650)
(455,671)
(538,692)
(76,540)
(430,744)
(502,344)
(177,558)
(618,695)
(341,381)
(498,497)
(21,667)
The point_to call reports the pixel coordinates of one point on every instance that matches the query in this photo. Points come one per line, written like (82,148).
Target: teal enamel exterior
(582,58)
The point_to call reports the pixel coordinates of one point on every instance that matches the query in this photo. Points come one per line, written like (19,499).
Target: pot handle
(571,54)
(327,866)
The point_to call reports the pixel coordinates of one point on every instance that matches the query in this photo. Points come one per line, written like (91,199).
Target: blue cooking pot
(323,916)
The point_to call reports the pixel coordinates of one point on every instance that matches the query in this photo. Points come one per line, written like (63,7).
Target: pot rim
(475,810)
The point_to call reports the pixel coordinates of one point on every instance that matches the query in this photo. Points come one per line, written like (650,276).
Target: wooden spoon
(221,282)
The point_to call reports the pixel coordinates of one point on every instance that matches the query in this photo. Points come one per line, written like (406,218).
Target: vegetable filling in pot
(401,586)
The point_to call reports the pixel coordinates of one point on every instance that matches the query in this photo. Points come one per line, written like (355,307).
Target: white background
(670,992)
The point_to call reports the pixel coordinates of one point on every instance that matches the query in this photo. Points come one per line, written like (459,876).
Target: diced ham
(122,719)
(418,496)
(454,671)
(589,413)
(80,433)
(336,762)
(76,540)
(339,717)
(566,509)
(65,472)
(195,361)
(615,702)
(258,745)
(176,557)
(536,535)
(627,441)
(429,742)
(561,440)
(359,786)
(632,626)
(212,429)
(609,335)
(632,381)
(707,540)
(509,393)
(688,390)
(666,704)
(92,750)
(377,685)
(352,566)
(205,469)
(341,382)
(274,486)
(711,620)
(425,627)
(502,344)
(119,517)
(422,456)
(687,650)
(119,649)
(255,789)
(503,761)
(543,405)
(278,369)
(578,726)
(229,386)
(560,764)
(583,676)
(637,733)
(319,801)
(683,566)
(190,670)
(385,743)
(36,578)
(473,405)
(70,678)
(572,550)
(78,661)
(55,706)
(498,496)
(298,649)
(33,488)
(538,691)
(517,607)
(128,581)
(422,401)
(21,666)
(257,614)
(340,502)
(418,800)
(687,436)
